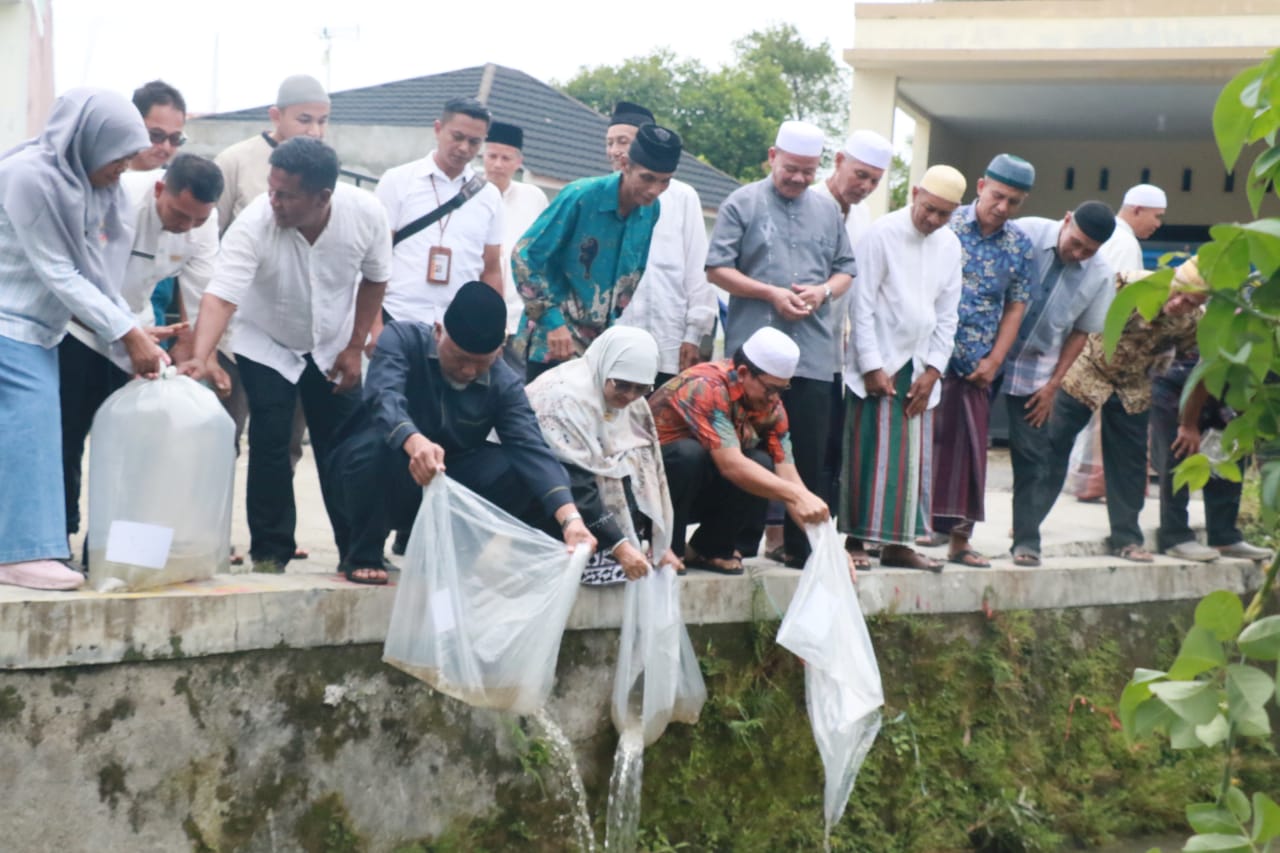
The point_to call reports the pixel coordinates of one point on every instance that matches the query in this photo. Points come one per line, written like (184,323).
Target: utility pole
(327,35)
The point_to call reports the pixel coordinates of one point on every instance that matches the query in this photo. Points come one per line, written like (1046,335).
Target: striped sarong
(885,468)
(961,423)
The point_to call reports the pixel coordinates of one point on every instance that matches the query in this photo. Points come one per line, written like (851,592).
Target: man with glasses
(903,314)
(164,112)
(727,449)
(782,253)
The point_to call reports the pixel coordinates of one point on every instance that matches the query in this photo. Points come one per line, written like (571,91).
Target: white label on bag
(137,544)
(442,612)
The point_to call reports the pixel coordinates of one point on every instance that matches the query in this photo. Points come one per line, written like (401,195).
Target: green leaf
(1200,652)
(1193,701)
(1217,843)
(1137,691)
(1261,640)
(1152,716)
(1192,473)
(1122,308)
(1214,732)
(1182,735)
(1238,803)
(1224,263)
(1228,471)
(1251,685)
(1221,614)
(1254,722)
(1264,242)
(1270,487)
(1211,818)
(1266,819)
(1255,189)
(1231,118)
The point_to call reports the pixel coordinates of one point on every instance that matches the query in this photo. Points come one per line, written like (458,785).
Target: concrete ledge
(235,613)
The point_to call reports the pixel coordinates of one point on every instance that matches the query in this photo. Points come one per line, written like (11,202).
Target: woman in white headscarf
(64,242)
(594,416)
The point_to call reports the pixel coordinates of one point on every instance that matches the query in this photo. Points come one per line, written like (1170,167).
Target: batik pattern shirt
(706,403)
(997,271)
(1145,350)
(579,264)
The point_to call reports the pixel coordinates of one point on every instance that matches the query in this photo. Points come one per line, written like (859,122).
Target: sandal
(969,557)
(719,565)
(911,560)
(933,540)
(861,559)
(779,555)
(1135,554)
(369,578)
(1026,559)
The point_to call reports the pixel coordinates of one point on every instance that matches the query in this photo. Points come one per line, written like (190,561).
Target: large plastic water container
(161,469)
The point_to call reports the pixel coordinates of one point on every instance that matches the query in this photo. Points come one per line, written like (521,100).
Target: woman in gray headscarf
(64,242)
(594,417)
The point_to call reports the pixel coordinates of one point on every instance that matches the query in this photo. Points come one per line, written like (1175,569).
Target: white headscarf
(46,180)
(610,443)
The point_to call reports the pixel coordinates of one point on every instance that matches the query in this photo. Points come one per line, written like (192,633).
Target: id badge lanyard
(439,258)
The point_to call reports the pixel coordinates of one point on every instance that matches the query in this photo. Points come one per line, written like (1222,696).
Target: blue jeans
(33,522)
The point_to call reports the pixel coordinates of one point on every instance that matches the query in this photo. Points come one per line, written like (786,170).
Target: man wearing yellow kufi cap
(903,314)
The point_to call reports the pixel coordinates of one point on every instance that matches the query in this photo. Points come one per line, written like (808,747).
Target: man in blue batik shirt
(998,266)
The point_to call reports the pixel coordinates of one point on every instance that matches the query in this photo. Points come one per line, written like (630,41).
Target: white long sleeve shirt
(1122,252)
(521,205)
(903,303)
(674,302)
(296,297)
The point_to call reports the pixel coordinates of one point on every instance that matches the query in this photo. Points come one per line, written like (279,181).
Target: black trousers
(86,379)
(699,493)
(808,405)
(269,501)
(1221,496)
(375,493)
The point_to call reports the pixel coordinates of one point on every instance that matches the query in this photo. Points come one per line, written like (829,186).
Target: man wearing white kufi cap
(1140,215)
(903,314)
(726,447)
(783,255)
(860,165)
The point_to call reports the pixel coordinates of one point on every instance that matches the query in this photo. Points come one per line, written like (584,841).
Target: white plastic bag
(657,679)
(482,602)
(825,628)
(161,469)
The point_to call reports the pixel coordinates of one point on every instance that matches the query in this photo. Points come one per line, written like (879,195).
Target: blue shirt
(997,271)
(579,263)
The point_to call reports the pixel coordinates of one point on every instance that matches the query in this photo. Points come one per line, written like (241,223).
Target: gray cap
(301,89)
(1013,171)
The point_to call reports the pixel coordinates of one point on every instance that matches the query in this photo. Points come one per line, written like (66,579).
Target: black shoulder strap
(468,191)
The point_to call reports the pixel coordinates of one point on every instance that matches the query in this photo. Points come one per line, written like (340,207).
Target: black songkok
(1095,220)
(505,134)
(476,319)
(625,112)
(655,148)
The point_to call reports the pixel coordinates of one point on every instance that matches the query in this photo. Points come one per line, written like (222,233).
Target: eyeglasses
(177,140)
(623,387)
(772,390)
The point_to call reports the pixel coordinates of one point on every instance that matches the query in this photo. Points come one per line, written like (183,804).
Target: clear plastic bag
(482,602)
(161,475)
(825,628)
(657,679)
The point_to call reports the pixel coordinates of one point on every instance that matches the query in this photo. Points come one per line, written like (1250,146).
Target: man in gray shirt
(782,254)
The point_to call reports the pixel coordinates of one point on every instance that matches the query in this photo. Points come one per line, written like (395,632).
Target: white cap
(800,138)
(773,352)
(945,182)
(869,147)
(1146,195)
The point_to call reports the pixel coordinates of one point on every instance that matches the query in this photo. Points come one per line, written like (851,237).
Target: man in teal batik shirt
(579,263)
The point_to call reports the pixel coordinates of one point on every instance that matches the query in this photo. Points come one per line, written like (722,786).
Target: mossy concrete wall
(999,735)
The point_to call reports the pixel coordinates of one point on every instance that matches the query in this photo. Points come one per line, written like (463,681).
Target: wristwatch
(828,289)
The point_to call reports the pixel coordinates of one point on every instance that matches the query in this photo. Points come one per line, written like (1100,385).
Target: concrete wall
(18,47)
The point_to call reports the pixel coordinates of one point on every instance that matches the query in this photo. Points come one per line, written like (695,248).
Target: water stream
(563,759)
(624,793)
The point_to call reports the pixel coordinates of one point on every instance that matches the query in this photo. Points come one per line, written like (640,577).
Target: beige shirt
(245,167)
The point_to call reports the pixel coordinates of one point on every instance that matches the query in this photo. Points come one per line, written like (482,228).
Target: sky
(231,54)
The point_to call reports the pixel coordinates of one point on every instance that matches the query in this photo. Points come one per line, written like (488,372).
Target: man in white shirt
(903,312)
(1141,213)
(164,112)
(674,302)
(288,271)
(175,234)
(429,267)
(860,166)
(521,204)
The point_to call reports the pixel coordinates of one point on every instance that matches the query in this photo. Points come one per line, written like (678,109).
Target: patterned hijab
(44,182)
(611,443)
